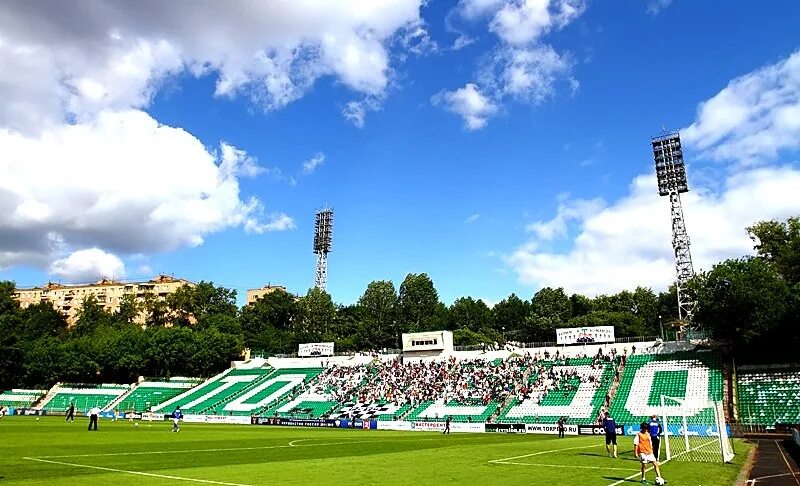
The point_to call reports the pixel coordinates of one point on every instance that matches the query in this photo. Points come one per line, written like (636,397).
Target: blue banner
(357,424)
(692,430)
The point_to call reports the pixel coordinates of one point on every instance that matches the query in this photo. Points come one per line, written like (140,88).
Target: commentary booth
(427,345)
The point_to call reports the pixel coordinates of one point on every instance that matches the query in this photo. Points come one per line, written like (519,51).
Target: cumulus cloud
(594,247)
(621,245)
(753,118)
(311,165)
(469,103)
(69,60)
(87,265)
(521,66)
(123,183)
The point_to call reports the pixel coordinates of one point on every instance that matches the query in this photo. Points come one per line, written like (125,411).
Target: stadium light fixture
(323,244)
(671,177)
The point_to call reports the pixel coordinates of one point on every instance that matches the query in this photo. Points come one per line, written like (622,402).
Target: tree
(418,303)
(11,359)
(778,243)
(580,304)
(317,315)
(748,303)
(378,309)
(90,317)
(267,322)
(188,304)
(511,313)
(468,313)
(40,320)
(552,304)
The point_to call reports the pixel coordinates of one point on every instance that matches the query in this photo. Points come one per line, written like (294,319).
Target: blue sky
(549,182)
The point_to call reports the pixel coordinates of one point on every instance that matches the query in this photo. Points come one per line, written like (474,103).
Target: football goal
(700,437)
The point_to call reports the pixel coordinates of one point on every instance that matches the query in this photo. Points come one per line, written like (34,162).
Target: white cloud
(527,74)
(87,265)
(356,111)
(625,244)
(71,60)
(523,22)
(468,102)
(472,218)
(521,66)
(277,222)
(752,118)
(654,7)
(122,183)
(311,165)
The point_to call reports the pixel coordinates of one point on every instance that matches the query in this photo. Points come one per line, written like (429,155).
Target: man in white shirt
(93,414)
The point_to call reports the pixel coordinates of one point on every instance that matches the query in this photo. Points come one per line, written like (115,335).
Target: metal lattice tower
(323,238)
(671,175)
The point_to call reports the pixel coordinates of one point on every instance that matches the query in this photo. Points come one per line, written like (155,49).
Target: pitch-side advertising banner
(585,335)
(315,349)
(598,430)
(550,429)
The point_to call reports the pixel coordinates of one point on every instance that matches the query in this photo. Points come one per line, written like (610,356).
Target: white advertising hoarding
(585,335)
(315,349)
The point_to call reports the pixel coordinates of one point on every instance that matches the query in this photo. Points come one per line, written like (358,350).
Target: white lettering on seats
(696,398)
(291,381)
(229,382)
(580,406)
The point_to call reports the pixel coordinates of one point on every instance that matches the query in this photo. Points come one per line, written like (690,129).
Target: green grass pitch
(50,451)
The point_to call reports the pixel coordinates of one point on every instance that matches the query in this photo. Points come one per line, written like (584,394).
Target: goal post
(695,431)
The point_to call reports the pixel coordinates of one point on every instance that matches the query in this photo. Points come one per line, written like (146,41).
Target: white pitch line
(545,452)
(662,463)
(570,466)
(222,449)
(136,473)
(788,466)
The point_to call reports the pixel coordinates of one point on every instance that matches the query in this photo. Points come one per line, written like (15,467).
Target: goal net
(701,437)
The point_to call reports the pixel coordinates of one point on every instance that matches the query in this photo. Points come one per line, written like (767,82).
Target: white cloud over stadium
(87,175)
(616,246)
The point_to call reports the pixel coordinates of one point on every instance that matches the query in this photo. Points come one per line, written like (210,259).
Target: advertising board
(550,429)
(585,335)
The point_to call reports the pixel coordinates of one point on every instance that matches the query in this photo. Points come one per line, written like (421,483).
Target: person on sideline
(176,420)
(70,412)
(610,427)
(93,414)
(655,434)
(447,425)
(643,449)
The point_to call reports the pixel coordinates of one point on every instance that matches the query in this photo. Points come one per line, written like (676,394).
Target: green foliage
(778,243)
(751,303)
(468,313)
(748,303)
(418,303)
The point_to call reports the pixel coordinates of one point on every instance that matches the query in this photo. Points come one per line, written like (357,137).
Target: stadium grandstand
(20,398)
(769,395)
(59,398)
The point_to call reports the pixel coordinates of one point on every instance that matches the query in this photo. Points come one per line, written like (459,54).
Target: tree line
(752,303)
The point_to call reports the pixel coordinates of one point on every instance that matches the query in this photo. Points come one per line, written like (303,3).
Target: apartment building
(255,294)
(68,298)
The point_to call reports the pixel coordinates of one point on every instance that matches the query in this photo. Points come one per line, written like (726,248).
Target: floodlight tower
(323,237)
(671,175)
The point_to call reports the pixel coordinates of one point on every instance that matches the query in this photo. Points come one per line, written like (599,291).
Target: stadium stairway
(53,391)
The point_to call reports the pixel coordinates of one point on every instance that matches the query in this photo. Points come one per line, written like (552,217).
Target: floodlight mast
(323,238)
(671,175)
